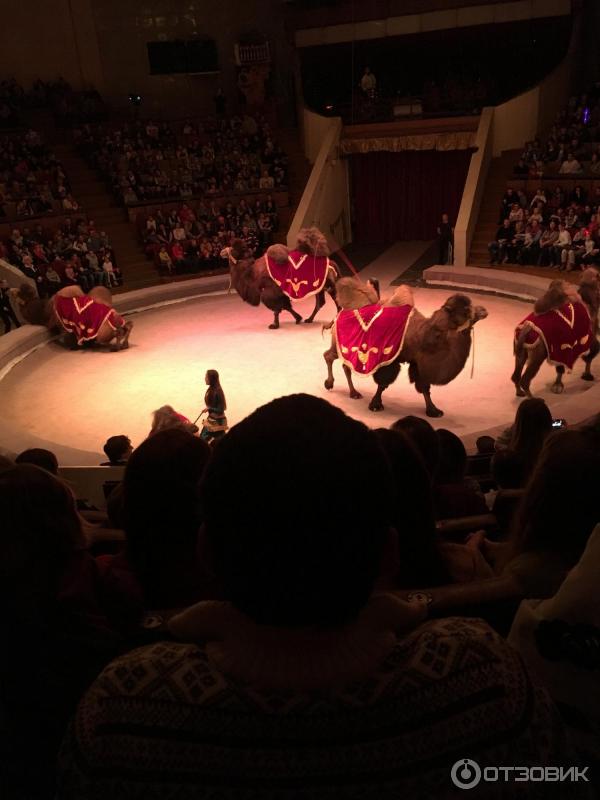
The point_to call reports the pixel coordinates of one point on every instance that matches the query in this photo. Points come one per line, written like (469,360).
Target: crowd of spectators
(191,236)
(573,144)
(33,182)
(74,253)
(146,161)
(68,105)
(225,602)
(548,228)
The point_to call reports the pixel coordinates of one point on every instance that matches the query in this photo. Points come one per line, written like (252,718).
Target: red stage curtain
(403,195)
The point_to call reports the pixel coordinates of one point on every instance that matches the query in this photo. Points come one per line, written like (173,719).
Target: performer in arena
(215,425)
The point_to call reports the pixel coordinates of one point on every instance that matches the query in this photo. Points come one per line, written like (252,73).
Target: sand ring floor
(72,401)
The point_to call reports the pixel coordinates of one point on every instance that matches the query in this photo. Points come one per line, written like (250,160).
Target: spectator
(453,496)
(512,467)
(45,459)
(117,449)
(161,517)
(422,435)
(302,624)
(497,248)
(368,82)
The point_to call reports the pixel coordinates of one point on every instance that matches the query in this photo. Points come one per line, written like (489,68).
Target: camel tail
(519,340)
(326,326)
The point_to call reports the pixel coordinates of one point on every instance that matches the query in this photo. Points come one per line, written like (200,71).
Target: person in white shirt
(368,82)
(570,165)
(562,243)
(109,270)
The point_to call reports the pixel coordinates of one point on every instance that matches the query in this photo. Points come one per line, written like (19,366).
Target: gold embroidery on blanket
(364,354)
(296,284)
(366,325)
(297,264)
(570,322)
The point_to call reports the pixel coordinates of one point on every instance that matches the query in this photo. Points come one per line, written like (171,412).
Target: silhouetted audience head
(296,499)
(418,557)
(161,510)
(422,435)
(559,509)
(37,537)
(485,445)
(453,458)
(533,422)
(40,457)
(118,449)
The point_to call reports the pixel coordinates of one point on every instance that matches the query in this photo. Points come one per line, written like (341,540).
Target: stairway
(91,192)
(499,175)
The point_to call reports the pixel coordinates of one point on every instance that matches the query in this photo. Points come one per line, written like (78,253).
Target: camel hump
(403,296)
(352,293)
(557,295)
(278,252)
(313,241)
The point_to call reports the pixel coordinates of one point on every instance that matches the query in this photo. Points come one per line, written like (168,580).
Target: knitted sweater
(167,721)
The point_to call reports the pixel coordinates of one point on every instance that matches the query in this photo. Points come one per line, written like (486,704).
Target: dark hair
(423,437)
(485,445)
(40,458)
(533,423)
(40,531)
(559,510)
(297,508)
(419,560)
(115,447)
(161,514)
(453,458)
(214,397)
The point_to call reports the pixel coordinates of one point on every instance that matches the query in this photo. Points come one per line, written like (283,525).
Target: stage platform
(71,402)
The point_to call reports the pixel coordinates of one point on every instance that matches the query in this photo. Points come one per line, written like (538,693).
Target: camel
(562,327)
(82,317)
(281,276)
(435,349)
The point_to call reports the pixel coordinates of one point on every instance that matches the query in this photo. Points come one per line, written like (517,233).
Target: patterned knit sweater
(166,721)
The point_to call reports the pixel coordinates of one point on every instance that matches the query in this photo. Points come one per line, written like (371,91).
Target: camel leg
(520,361)
(330,356)
(122,336)
(383,377)
(296,316)
(587,373)
(353,393)
(558,386)
(424,388)
(319,303)
(275,324)
(535,359)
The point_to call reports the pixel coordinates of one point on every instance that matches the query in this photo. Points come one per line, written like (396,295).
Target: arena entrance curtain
(403,195)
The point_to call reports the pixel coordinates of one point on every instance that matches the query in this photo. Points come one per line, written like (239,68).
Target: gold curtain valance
(463,140)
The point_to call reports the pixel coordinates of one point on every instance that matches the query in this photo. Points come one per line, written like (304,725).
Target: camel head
(33,309)
(352,293)
(456,315)
(312,241)
(461,313)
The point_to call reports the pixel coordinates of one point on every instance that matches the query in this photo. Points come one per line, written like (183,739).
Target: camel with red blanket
(282,276)
(561,328)
(372,337)
(81,317)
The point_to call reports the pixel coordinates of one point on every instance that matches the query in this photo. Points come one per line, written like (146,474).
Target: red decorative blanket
(566,332)
(301,275)
(372,336)
(84,316)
